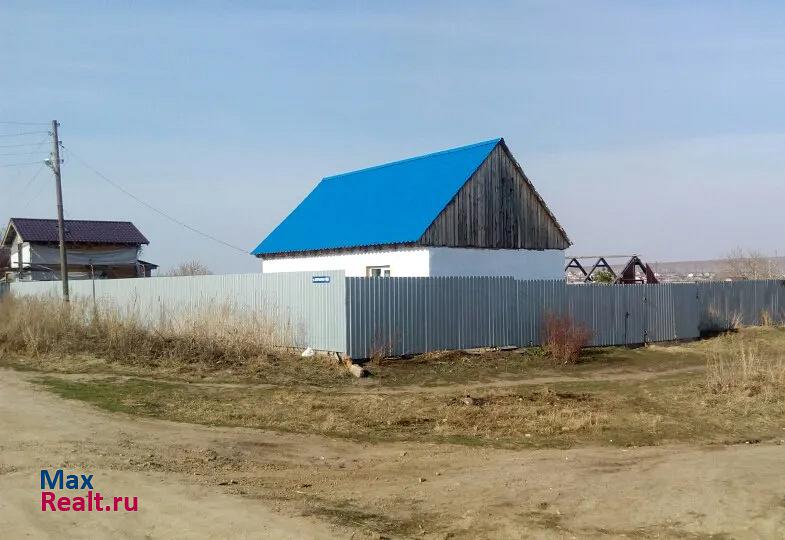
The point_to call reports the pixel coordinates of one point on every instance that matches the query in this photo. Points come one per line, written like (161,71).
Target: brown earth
(208,482)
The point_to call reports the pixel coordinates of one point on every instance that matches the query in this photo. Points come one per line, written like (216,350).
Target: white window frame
(383,271)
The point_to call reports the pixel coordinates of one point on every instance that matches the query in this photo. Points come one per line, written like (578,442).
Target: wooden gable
(497,208)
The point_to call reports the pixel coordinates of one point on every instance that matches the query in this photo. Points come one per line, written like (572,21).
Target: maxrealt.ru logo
(92,501)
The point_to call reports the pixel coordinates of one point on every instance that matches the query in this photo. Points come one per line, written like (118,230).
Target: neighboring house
(100,249)
(469,211)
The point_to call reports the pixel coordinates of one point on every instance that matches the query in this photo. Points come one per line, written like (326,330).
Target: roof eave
(7,231)
(337,249)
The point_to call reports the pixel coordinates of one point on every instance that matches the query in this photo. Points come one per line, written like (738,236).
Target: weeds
(206,341)
(740,371)
(736,322)
(739,398)
(564,339)
(36,326)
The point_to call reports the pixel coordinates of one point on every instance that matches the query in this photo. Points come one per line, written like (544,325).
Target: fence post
(645,318)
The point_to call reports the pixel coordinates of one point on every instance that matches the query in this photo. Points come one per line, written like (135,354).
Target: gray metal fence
(723,305)
(403,315)
(368,316)
(412,315)
(308,308)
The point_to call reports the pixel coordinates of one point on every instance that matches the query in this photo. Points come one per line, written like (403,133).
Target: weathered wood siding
(497,208)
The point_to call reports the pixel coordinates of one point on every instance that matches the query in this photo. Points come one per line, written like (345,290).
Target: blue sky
(653,127)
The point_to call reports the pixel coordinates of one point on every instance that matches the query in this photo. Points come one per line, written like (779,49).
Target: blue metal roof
(387,204)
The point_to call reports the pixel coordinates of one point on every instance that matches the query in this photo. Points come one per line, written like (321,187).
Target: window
(377,271)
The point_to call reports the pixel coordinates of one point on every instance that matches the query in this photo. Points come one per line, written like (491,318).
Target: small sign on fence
(320,279)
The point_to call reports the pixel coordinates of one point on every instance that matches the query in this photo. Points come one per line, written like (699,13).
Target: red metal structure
(627,276)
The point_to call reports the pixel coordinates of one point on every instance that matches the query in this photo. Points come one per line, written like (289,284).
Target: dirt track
(202,482)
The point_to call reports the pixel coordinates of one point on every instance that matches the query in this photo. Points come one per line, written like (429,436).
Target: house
(99,249)
(469,211)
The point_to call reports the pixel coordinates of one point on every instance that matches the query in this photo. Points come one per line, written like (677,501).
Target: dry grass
(741,372)
(46,333)
(740,395)
(661,408)
(527,416)
(736,322)
(36,326)
(564,339)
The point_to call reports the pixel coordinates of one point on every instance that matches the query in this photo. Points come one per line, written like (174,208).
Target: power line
(148,205)
(21,153)
(26,203)
(12,123)
(37,150)
(22,133)
(21,164)
(32,179)
(23,144)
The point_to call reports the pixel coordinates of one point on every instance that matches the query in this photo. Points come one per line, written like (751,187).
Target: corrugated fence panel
(685,309)
(606,311)
(723,305)
(393,316)
(308,308)
(413,315)
(535,299)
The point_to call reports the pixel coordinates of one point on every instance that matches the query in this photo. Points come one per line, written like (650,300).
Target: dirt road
(203,482)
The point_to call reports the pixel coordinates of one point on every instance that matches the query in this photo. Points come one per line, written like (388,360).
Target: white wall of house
(432,261)
(402,262)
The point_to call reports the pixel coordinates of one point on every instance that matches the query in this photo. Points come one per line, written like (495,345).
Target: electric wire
(30,182)
(23,144)
(20,153)
(26,203)
(148,205)
(13,123)
(21,134)
(21,164)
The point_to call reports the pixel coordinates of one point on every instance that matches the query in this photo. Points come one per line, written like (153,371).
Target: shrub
(563,338)
(603,276)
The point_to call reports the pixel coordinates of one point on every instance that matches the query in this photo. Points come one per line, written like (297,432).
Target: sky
(655,128)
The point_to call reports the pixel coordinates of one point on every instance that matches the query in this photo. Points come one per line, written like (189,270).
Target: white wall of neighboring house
(432,261)
(15,254)
(402,262)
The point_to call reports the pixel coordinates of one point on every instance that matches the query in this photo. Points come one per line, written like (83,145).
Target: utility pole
(55,164)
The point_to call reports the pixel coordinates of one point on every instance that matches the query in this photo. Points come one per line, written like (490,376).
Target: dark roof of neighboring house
(387,204)
(77,231)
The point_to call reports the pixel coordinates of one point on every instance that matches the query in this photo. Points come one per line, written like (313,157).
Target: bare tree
(189,268)
(751,264)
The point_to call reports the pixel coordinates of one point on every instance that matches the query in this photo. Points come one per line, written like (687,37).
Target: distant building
(469,211)
(99,249)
